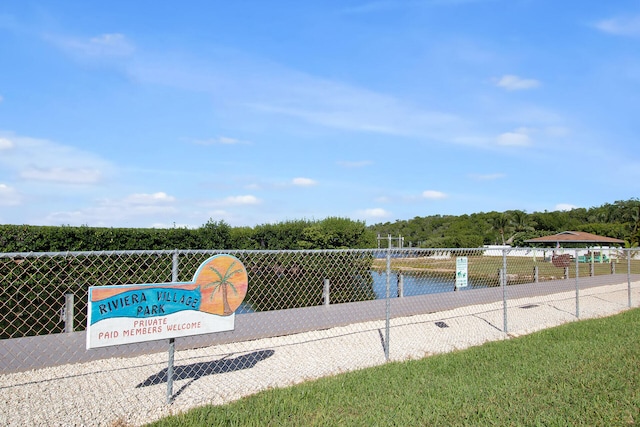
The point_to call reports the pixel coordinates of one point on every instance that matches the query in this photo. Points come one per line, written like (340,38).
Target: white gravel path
(106,392)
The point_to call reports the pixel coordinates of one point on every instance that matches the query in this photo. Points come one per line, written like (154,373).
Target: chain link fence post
(504,289)
(388,303)
(577,284)
(326,283)
(68,312)
(629,275)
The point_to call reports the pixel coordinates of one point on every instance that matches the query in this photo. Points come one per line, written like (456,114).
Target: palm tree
(635,219)
(500,223)
(223,283)
(631,215)
(519,221)
(622,253)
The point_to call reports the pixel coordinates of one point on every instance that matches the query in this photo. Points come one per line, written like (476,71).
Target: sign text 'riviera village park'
(125,314)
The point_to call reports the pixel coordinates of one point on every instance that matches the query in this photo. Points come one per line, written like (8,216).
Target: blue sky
(161,114)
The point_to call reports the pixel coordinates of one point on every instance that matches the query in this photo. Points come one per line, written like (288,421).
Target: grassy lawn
(520,269)
(581,374)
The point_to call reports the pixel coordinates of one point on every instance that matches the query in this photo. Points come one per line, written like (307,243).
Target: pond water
(244,308)
(413,285)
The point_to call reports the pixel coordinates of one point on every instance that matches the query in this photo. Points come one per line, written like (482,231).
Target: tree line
(620,219)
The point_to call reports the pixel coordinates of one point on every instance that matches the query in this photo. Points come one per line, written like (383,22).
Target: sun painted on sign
(144,312)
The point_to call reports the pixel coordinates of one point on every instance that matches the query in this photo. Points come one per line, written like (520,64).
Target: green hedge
(330,233)
(28,238)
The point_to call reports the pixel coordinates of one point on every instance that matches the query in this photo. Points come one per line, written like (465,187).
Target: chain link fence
(307,314)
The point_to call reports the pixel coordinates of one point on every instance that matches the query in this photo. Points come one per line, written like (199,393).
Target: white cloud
(517,138)
(219,213)
(621,26)
(5,144)
(304,182)
(456,2)
(220,140)
(355,164)
(372,6)
(113,43)
(487,177)
(514,139)
(511,82)
(361,111)
(149,199)
(433,195)
(253,186)
(557,131)
(156,206)
(378,6)
(281,91)
(474,141)
(375,213)
(103,45)
(45,161)
(61,175)
(237,201)
(9,196)
(565,207)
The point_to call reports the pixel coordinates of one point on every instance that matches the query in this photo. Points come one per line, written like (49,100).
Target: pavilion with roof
(576,237)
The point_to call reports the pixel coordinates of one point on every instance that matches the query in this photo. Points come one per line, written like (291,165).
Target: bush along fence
(307,313)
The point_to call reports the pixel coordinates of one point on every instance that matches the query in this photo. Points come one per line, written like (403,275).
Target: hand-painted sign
(126,314)
(461,272)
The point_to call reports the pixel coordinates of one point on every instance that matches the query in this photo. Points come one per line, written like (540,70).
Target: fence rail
(306,314)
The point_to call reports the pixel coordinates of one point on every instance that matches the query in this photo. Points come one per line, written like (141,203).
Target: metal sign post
(172,341)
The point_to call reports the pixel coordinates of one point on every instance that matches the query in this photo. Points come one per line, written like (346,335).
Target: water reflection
(245,307)
(412,285)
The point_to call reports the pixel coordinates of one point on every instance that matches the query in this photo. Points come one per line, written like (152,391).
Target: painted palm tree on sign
(223,283)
